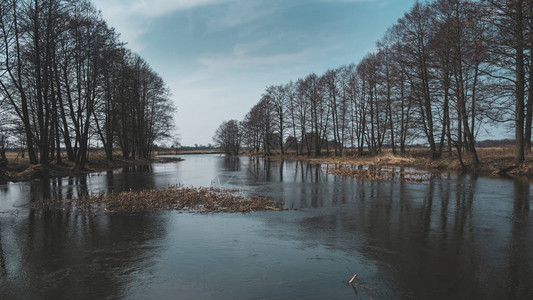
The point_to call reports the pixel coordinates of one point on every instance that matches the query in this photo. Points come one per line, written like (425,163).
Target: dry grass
(496,160)
(11,155)
(19,168)
(381,173)
(173,198)
(385,159)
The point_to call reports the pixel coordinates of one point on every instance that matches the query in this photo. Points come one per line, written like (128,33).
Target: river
(455,237)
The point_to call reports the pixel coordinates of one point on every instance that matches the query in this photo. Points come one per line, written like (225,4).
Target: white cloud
(244,12)
(346,1)
(152,8)
(222,78)
(131,18)
(241,63)
(228,84)
(243,49)
(221,62)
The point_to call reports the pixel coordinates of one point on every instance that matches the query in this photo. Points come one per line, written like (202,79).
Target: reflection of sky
(217,56)
(242,257)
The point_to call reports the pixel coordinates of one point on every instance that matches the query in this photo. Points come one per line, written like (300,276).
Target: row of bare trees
(439,76)
(65,78)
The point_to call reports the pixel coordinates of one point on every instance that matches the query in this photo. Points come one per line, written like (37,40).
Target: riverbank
(493,161)
(19,169)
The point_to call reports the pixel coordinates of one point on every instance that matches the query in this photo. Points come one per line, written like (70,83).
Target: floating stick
(353,278)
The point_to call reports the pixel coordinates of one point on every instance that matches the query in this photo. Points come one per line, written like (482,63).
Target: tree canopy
(66,79)
(441,74)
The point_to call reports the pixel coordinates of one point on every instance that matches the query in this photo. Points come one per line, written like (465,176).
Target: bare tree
(228,137)
(510,18)
(67,77)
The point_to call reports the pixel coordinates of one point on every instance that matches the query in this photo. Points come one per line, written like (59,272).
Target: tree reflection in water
(458,237)
(74,255)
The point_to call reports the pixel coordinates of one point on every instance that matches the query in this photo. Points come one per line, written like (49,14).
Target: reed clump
(172,198)
(371,173)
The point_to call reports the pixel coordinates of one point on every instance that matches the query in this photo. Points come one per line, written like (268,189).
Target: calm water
(459,237)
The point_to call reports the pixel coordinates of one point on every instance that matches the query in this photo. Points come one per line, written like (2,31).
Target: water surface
(457,237)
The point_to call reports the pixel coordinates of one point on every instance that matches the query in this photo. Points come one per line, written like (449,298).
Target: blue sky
(217,56)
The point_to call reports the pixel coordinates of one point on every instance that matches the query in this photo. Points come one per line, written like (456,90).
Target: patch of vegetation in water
(372,173)
(172,198)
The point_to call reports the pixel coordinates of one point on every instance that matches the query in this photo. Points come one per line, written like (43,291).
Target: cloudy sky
(217,56)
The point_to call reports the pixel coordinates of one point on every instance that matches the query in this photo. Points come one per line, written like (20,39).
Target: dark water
(456,238)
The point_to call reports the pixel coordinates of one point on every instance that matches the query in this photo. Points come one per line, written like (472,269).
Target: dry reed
(172,198)
(376,173)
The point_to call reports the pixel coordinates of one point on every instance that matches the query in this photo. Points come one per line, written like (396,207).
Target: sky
(218,56)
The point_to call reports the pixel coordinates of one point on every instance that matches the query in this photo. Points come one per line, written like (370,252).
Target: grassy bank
(493,161)
(19,168)
(172,198)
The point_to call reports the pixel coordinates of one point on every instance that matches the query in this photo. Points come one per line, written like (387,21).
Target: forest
(444,73)
(67,83)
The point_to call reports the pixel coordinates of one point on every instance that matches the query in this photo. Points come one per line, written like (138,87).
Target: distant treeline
(440,74)
(495,143)
(66,78)
(196,148)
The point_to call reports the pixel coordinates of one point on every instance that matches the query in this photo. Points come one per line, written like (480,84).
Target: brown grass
(19,168)
(495,160)
(381,173)
(173,198)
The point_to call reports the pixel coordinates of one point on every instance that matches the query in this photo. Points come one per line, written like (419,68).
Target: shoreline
(416,168)
(22,171)
(493,162)
(497,161)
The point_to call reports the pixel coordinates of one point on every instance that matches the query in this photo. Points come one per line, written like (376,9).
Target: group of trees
(65,78)
(439,75)
(228,137)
